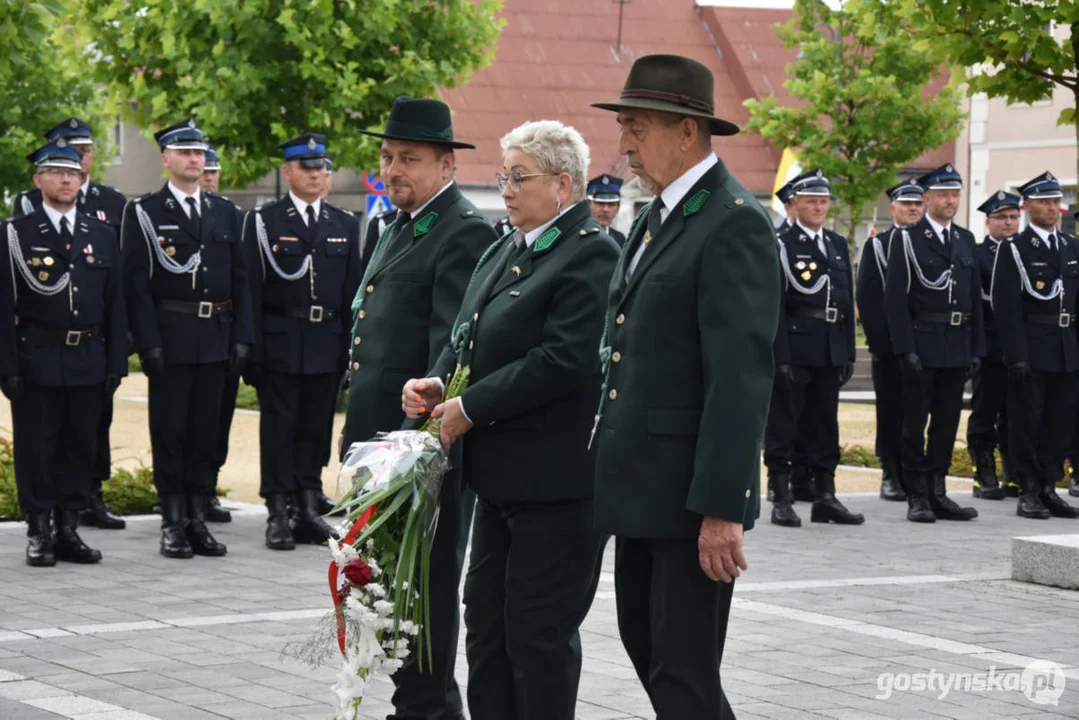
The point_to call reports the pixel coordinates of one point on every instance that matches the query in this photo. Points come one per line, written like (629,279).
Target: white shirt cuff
(461,405)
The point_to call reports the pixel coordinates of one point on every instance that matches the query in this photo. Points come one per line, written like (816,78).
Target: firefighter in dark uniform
(987,427)
(105,204)
(503,227)
(605,199)
(907,206)
(785,196)
(933,301)
(210,183)
(304,256)
(190,315)
(1035,286)
(64,334)
(814,355)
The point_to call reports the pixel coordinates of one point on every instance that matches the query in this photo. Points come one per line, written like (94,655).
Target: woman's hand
(454,422)
(418,395)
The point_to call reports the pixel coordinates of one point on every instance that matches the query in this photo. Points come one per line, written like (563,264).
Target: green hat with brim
(674,84)
(422,121)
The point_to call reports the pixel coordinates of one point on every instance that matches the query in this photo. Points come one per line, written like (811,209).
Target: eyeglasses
(514,179)
(75,174)
(1013,218)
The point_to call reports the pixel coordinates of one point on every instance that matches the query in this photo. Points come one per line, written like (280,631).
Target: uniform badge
(191,124)
(1000,195)
(275,248)
(61,143)
(73,123)
(43,276)
(806,275)
(1040,285)
(800,265)
(170,251)
(101,215)
(161,241)
(48,260)
(647,236)
(516,271)
(88,250)
(90,259)
(812,266)
(34,262)
(311,144)
(170,203)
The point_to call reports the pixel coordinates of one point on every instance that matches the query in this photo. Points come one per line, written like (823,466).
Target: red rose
(357,573)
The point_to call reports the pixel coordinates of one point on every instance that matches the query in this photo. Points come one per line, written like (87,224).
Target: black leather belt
(71,338)
(1060,320)
(311,313)
(830,315)
(204,310)
(955,319)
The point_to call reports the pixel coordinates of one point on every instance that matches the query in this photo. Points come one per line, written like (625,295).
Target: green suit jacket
(529,328)
(411,292)
(690,369)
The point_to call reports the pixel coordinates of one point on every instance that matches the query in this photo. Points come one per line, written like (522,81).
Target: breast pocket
(223,236)
(287,248)
(335,248)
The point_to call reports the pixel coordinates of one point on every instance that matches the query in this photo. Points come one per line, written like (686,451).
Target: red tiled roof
(556,57)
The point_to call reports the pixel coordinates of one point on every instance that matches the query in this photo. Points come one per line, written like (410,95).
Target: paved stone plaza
(825,621)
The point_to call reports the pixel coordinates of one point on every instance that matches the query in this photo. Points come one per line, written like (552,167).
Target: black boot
(943,506)
(1054,503)
(918,509)
(1030,504)
(986,485)
(69,546)
(214,512)
(1009,481)
(326,506)
(173,541)
(202,542)
(802,484)
(99,515)
(308,527)
(891,488)
(40,541)
(278,533)
(782,512)
(1073,478)
(827,507)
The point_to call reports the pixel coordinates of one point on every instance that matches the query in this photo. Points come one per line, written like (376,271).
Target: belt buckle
(831,315)
(74,338)
(1065,320)
(956,319)
(206,310)
(316,313)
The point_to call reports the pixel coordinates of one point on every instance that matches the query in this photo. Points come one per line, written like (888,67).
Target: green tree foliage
(1005,46)
(258,72)
(43,84)
(861,110)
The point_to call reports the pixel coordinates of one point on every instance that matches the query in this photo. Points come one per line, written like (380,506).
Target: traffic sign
(377,204)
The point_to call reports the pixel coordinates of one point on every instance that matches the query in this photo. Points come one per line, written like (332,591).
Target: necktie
(82,197)
(65,232)
(193,214)
(820,245)
(945,236)
(1051,239)
(310,213)
(655,222)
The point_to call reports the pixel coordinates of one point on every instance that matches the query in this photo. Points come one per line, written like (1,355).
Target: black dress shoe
(174,542)
(308,527)
(943,506)
(69,546)
(40,541)
(278,532)
(215,513)
(99,515)
(200,539)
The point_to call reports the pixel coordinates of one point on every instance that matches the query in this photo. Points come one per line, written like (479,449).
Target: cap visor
(311,162)
(68,164)
(187,145)
(80,141)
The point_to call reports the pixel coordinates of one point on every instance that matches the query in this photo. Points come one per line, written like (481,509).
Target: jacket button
(616,356)
(612,394)
(370,289)
(356,341)
(748,493)
(620,319)
(75,312)
(475,317)
(469,344)
(355,366)
(363,314)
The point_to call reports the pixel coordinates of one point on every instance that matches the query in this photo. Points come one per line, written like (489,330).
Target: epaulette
(590,230)
(142,197)
(103,186)
(339,209)
(473,213)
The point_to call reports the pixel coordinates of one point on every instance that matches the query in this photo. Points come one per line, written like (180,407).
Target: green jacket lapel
(396,248)
(544,244)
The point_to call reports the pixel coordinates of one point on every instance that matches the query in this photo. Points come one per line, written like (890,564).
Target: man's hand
(454,422)
(153,363)
(1019,372)
(237,359)
(11,386)
(112,382)
(845,372)
(419,395)
(975,368)
(720,546)
(912,363)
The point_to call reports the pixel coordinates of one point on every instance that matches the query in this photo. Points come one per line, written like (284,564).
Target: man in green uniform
(692,315)
(410,294)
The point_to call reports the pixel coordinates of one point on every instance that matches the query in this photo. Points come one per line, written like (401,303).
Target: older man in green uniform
(693,311)
(403,313)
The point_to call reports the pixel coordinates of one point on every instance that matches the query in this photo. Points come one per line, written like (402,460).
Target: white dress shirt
(55,215)
(670,197)
(301,206)
(181,197)
(938,228)
(1044,234)
(818,236)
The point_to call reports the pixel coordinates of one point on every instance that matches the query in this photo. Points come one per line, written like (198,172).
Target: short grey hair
(556,147)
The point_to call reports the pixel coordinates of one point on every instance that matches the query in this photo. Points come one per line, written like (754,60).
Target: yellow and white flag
(789,168)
